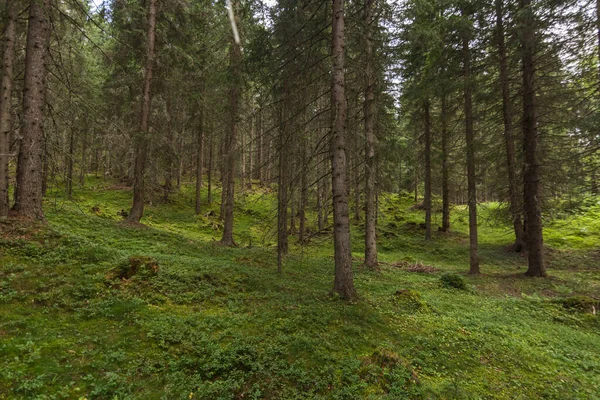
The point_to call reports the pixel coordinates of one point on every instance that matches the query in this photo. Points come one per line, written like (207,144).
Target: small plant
(410,300)
(453,281)
(580,304)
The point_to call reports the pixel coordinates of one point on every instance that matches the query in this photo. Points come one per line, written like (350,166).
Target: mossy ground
(219,322)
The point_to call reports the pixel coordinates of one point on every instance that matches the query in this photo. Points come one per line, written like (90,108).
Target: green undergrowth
(200,321)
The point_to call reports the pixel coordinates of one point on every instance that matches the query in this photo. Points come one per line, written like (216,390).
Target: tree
(531,173)
(29,193)
(370,165)
(508,132)
(142,139)
(470,137)
(8,60)
(230,148)
(344,280)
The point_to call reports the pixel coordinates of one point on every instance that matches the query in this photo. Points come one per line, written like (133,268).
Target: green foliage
(453,281)
(217,322)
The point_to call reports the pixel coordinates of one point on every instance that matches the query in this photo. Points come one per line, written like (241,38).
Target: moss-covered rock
(453,281)
(136,265)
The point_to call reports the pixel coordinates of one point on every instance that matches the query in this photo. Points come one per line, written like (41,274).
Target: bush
(453,281)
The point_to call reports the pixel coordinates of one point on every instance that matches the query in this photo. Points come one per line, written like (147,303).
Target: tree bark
(513,192)
(531,173)
(28,198)
(445,167)
(141,151)
(427,198)
(210,170)
(282,185)
(70,159)
(8,61)
(229,182)
(344,280)
(261,161)
(199,159)
(370,166)
(470,136)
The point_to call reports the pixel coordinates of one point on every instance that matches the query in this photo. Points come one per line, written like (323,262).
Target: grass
(221,323)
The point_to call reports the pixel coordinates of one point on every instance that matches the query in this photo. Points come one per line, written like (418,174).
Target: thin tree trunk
(416,185)
(83,167)
(70,158)
(320,195)
(515,204)
(251,152)
(168,188)
(199,159)
(243,150)
(210,170)
(470,135)
(370,166)
(179,157)
(234,100)
(261,167)
(141,151)
(344,280)
(8,60)
(531,173)
(445,167)
(303,191)
(427,198)
(28,198)
(282,186)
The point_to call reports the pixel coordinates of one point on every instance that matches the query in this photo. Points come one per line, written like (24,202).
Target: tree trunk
(199,158)
(515,204)
(320,194)
(282,186)
(261,161)
(531,173)
(416,184)
(427,198)
(370,167)
(141,144)
(229,184)
(70,159)
(470,134)
(251,152)
(28,199)
(303,190)
(8,59)
(83,166)
(344,280)
(445,167)
(210,170)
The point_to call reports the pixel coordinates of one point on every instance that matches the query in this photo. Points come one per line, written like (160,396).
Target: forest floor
(200,321)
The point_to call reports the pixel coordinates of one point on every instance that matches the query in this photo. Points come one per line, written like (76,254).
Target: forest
(300,199)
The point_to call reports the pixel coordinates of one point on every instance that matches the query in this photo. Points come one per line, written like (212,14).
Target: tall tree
(141,139)
(370,166)
(200,155)
(344,280)
(230,149)
(8,60)
(513,192)
(427,139)
(29,193)
(470,136)
(531,172)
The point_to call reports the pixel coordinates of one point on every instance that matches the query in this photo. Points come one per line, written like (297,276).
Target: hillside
(201,321)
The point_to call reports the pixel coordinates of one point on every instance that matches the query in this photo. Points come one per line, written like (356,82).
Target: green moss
(453,281)
(219,322)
